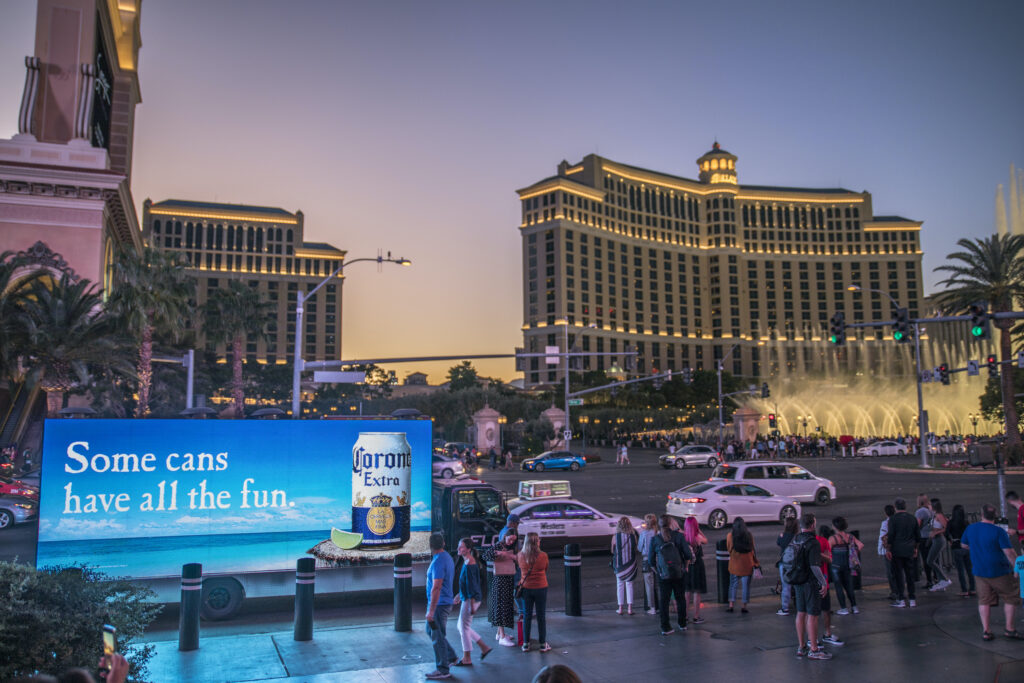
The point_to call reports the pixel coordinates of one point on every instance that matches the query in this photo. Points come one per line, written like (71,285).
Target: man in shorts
(992,562)
(809,593)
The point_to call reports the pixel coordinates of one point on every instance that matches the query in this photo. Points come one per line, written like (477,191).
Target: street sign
(972,368)
(575,401)
(335,377)
(551,360)
(566,435)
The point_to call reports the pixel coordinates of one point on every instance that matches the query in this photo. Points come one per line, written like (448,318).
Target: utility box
(981,454)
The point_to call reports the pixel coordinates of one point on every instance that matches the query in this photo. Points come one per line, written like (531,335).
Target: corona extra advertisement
(142,497)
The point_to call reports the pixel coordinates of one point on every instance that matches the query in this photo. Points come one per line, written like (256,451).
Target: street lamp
(917,366)
(973,417)
(300,337)
(583,421)
(502,420)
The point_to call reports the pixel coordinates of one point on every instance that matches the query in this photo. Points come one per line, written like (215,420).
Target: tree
(151,292)
(229,317)
(11,297)
(989,270)
(61,329)
(462,376)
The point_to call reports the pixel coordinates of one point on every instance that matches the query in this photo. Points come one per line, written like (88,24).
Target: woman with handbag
(846,550)
(501,609)
(470,596)
(742,562)
(625,562)
(696,581)
(533,588)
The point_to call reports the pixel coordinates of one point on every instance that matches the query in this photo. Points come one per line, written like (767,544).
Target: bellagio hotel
(684,269)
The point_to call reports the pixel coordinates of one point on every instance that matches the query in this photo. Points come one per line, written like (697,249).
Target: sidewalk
(940,639)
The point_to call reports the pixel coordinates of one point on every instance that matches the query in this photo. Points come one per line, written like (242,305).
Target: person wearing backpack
(669,555)
(742,562)
(802,558)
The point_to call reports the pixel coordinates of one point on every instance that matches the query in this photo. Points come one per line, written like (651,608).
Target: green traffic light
(978,331)
(897,335)
(833,339)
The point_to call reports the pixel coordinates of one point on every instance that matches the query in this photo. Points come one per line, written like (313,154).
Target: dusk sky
(408,126)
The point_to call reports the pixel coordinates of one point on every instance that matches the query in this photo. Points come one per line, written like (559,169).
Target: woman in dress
(500,603)
(533,563)
(742,562)
(469,596)
(696,581)
(625,562)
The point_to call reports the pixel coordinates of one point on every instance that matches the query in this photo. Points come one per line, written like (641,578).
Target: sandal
(1013,635)
(987,636)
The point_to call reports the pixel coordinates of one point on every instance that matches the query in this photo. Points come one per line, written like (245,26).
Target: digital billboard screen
(142,497)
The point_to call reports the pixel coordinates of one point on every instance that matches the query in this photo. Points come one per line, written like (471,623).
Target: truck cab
(465,506)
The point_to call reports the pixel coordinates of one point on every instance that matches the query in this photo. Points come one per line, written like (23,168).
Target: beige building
(684,269)
(264,247)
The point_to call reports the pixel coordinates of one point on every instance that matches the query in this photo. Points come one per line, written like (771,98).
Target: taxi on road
(548,508)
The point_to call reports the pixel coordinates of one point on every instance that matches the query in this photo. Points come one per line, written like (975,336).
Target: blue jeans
(536,597)
(786,592)
(444,655)
(964,572)
(735,581)
(843,578)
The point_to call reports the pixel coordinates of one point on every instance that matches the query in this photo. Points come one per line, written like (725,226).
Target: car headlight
(26,506)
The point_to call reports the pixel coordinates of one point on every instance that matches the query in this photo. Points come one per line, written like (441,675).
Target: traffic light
(979,320)
(657,381)
(993,365)
(944,374)
(765,393)
(837,329)
(902,332)
(687,375)
(772,422)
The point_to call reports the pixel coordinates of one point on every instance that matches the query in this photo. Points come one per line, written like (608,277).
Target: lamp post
(583,422)
(300,300)
(973,417)
(721,415)
(501,433)
(917,365)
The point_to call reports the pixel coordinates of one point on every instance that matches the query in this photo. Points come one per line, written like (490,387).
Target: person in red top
(533,563)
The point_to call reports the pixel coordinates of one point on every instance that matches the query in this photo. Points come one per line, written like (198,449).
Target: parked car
(16,510)
(716,503)
(16,487)
(554,460)
(781,478)
(883,448)
(444,467)
(695,456)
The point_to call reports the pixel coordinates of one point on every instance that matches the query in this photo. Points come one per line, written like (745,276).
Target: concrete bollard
(573,580)
(191,598)
(722,567)
(403,592)
(305,583)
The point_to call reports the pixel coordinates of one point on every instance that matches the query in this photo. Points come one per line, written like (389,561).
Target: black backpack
(670,562)
(796,568)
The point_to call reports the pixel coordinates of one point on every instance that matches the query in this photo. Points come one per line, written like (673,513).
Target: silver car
(693,456)
(15,510)
(446,468)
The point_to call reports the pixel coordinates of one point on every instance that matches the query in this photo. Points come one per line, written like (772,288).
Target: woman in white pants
(625,562)
(470,597)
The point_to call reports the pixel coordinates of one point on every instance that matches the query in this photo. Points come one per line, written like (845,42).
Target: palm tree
(60,330)
(151,292)
(989,270)
(11,297)
(230,315)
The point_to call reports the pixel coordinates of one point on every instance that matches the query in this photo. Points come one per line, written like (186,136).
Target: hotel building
(263,247)
(684,269)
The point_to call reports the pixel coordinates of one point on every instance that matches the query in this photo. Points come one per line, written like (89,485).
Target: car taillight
(694,500)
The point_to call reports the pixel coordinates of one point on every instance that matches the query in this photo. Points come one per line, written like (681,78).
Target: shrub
(52,619)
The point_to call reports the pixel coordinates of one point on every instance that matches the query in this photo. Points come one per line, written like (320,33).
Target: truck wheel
(221,599)
(446,474)
(6,519)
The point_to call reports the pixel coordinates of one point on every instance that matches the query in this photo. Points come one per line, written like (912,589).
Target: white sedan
(566,520)
(882,448)
(717,503)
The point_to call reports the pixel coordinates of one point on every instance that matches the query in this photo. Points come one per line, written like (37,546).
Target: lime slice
(346,540)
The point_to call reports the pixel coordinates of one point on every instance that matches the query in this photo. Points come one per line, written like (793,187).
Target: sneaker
(438,675)
(507,642)
(545,648)
(801,652)
(819,654)
(833,639)
(698,620)
(526,647)
(913,603)
(899,603)
(856,610)
(681,628)
(652,611)
(668,632)
(842,611)
(783,612)
(946,584)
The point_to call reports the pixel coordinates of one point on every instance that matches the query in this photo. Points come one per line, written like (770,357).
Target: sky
(408,126)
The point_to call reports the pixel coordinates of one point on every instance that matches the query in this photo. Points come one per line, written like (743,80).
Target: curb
(939,470)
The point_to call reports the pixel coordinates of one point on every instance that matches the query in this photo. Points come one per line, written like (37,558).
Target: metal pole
(568,428)
(920,401)
(720,414)
(190,363)
(297,363)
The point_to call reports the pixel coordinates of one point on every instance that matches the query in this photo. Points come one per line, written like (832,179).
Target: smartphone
(109,639)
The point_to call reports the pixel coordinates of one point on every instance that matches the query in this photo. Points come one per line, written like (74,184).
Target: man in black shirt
(901,550)
(809,593)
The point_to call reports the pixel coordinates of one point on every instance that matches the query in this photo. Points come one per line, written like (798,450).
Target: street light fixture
(917,366)
(300,336)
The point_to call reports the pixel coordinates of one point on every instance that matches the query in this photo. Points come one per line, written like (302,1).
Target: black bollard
(722,565)
(403,592)
(305,582)
(191,597)
(573,580)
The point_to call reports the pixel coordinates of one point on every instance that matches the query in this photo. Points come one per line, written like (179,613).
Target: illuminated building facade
(684,269)
(263,247)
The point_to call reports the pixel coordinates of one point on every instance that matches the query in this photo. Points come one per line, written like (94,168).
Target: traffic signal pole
(921,426)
